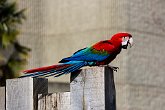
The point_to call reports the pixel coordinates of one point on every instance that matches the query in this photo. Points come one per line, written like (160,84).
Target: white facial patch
(125,41)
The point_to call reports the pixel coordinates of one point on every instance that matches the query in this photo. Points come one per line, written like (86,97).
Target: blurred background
(55,29)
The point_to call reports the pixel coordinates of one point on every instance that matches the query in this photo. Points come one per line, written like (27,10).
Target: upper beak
(130,42)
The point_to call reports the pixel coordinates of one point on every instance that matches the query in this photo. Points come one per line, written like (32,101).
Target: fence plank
(2,98)
(22,93)
(55,101)
(93,89)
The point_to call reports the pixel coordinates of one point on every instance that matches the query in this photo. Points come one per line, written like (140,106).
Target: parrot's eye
(125,39)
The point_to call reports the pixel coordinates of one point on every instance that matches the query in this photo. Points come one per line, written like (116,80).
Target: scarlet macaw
(101,53)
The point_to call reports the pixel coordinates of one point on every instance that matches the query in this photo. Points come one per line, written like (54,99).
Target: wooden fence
(90,89)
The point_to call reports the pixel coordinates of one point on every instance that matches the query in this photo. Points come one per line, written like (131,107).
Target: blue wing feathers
(86,54)
(80,50)
(70,69)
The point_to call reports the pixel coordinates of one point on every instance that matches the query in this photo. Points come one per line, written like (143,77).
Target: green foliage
(13,56)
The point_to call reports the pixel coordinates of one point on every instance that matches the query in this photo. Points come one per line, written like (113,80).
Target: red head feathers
(123,39)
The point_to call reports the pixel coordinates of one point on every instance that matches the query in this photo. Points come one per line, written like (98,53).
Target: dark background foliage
(13,56)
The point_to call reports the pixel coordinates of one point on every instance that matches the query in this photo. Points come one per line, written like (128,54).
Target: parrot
(100,54)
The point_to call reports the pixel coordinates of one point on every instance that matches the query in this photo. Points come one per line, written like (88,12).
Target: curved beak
(130,42)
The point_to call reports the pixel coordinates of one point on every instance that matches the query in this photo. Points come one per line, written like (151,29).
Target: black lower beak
(124,46)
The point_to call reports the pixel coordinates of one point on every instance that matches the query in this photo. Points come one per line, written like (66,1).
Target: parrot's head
(124,39)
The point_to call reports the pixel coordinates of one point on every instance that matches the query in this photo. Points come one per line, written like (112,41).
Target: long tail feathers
(54,70)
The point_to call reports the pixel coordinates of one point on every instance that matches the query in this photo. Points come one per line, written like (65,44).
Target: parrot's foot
(112,67)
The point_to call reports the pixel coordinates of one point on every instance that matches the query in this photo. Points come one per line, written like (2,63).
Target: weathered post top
(93,89)
(22,93)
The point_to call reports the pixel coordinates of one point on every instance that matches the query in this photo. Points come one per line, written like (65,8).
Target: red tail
(56,67)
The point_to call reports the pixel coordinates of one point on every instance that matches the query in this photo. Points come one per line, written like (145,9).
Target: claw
(113,68)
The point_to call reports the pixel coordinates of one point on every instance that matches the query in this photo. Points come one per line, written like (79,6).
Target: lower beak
(131,42)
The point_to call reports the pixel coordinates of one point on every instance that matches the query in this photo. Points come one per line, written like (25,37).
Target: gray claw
(114,68)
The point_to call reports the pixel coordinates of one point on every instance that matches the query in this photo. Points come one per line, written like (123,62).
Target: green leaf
(16,66)
(8,38)
(5,40)
(2,58)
